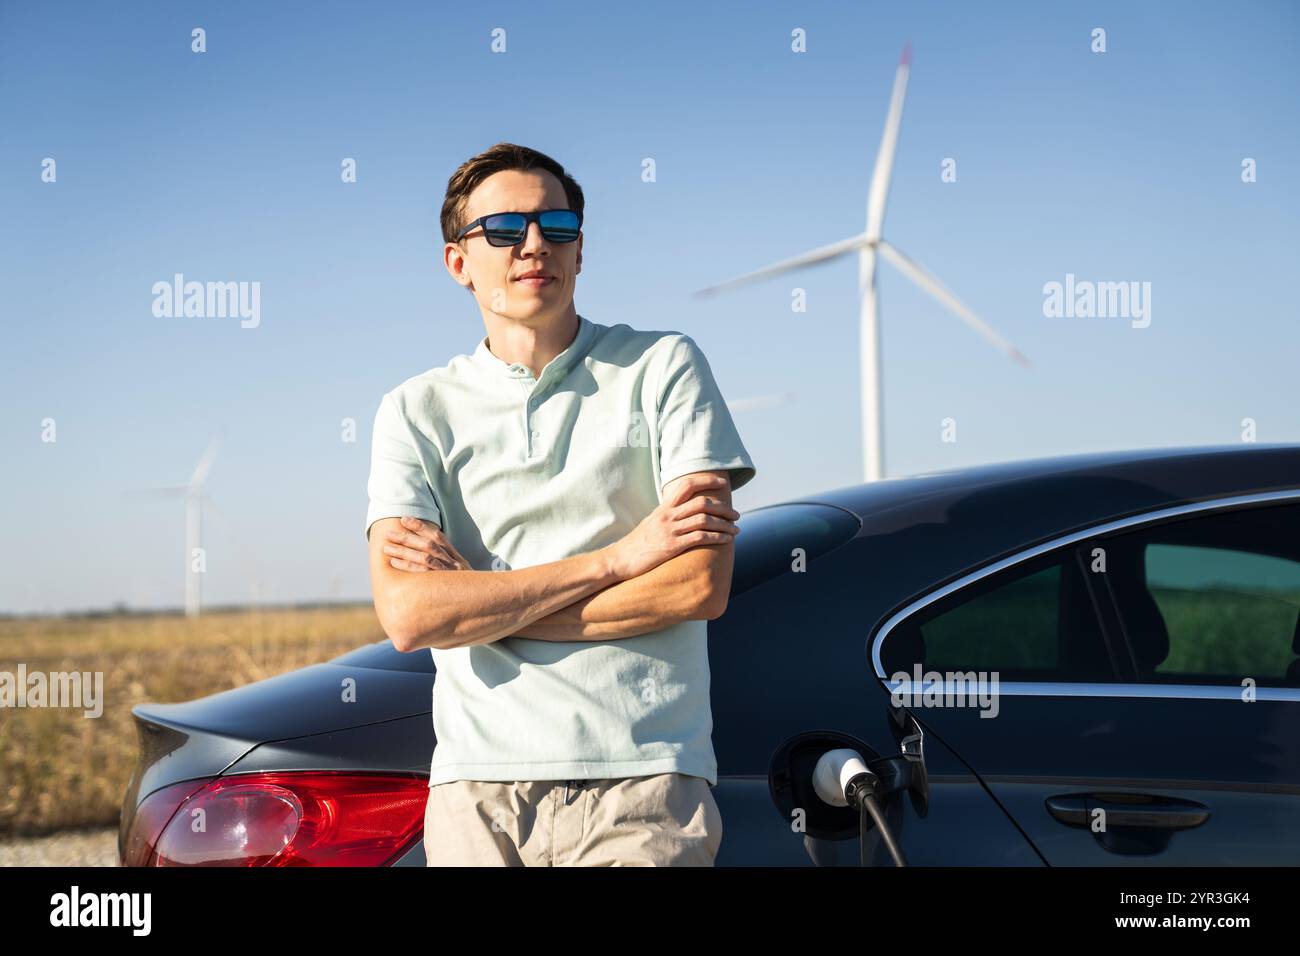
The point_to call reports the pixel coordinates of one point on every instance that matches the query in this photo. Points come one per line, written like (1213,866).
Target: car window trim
(1106,612)
(1085,688)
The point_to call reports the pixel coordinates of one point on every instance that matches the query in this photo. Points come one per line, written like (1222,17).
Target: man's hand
(422,547)
(687,519)
(691,517)
(694,585)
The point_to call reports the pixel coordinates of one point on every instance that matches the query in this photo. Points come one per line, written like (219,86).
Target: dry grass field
(62,770)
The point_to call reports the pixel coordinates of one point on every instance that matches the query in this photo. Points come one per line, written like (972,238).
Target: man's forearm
(449,609)
(665,595)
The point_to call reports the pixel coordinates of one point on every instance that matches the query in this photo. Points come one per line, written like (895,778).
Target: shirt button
(537,434)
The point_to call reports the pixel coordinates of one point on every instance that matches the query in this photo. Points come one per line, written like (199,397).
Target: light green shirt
(520,471)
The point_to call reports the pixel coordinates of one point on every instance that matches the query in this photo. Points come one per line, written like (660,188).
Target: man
(552,517)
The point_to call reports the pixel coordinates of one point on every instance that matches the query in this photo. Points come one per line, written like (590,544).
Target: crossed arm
(692,585)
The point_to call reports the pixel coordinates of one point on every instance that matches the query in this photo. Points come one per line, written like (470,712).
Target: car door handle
(1136,810)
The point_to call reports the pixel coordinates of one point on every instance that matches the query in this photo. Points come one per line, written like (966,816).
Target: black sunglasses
(510,228)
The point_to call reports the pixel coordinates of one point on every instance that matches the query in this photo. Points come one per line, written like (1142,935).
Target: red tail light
(301,818)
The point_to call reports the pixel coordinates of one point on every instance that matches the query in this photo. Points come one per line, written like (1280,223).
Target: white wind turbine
(867,244)
(195,498)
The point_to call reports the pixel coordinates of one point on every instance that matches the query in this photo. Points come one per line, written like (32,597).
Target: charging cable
(843,779)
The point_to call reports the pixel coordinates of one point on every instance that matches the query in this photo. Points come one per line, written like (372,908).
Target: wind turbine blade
(759,401)
(930,284)
(165,491)
(246,554)
(205,463)
(821,254)
(211,506)
(878,194)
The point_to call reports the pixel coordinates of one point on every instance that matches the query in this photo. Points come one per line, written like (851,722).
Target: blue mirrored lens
(505,229)
(559,225)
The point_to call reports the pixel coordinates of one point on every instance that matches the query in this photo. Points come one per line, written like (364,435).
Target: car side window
(1212,599)
(1034,621)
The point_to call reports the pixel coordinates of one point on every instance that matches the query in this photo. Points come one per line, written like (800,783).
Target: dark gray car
(1140,612)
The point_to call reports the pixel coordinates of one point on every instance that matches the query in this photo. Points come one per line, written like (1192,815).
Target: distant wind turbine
(195,497)
(867,244)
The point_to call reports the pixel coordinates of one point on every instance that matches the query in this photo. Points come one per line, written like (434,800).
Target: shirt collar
(557,366)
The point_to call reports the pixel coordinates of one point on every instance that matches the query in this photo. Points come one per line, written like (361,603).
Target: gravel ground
(72,848)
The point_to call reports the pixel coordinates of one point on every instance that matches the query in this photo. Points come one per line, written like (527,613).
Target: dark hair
(497,158)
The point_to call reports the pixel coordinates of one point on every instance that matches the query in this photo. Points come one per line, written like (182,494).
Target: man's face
(492,272)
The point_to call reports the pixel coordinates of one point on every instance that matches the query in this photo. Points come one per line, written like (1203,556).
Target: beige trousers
(667,819)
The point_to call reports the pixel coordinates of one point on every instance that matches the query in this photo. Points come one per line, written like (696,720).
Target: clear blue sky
(225,166)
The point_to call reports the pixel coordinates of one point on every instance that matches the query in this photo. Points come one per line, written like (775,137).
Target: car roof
(1078,489)
(923,530)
